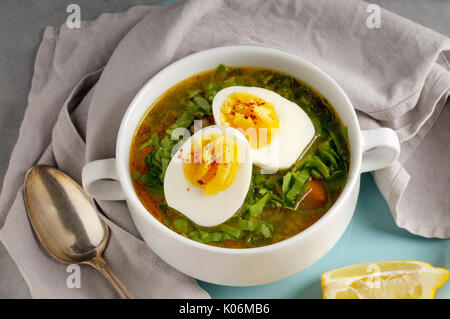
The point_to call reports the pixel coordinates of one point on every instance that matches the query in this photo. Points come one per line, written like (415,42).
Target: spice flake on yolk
(213,163)
(253,116)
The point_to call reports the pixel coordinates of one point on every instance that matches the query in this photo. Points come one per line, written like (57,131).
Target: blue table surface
(371,236)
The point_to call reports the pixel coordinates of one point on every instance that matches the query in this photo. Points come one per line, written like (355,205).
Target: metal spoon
(66,221)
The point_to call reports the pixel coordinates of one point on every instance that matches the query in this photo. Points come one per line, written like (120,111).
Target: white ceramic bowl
(110,179)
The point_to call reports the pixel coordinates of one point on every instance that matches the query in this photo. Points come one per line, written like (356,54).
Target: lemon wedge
(395,279)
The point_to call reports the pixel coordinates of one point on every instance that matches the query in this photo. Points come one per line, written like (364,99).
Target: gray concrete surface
(21,26)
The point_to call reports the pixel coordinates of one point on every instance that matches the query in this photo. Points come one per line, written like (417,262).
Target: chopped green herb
(181,225)
(286,182)
(300,179)
(257,208)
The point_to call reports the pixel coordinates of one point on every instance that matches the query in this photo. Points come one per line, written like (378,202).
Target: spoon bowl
(66,221)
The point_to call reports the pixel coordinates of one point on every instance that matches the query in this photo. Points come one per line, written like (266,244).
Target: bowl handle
(100,180)
(380,148)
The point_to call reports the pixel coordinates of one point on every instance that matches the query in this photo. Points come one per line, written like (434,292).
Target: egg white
(294,135)
(191,201)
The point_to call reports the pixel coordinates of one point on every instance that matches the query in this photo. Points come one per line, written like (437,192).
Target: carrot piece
(146,150)
(155,209)
(316,196)
(228,243)
(149,203)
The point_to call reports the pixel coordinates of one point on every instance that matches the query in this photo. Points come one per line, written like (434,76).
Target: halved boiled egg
(208,178)
(277,129)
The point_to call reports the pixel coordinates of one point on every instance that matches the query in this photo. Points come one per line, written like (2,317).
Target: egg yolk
(253,116)
(213,163)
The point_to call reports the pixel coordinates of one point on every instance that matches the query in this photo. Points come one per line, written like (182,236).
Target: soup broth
(277,206)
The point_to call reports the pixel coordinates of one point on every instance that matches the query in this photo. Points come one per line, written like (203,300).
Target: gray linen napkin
(397,76)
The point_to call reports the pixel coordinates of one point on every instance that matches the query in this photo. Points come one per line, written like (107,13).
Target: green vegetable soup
(277,206)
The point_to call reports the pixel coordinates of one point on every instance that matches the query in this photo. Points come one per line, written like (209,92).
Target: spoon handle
(100,264)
